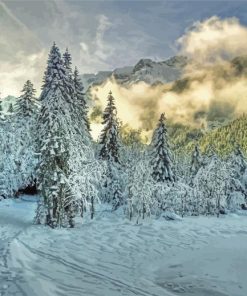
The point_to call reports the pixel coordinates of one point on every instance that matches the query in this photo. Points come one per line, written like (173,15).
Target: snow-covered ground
(111,256)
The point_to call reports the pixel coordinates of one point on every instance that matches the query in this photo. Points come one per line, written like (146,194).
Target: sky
(101,35)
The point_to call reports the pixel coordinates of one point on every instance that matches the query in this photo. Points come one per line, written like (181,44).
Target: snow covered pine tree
(109,138)
(56,129)
(160,153)
(18,132)
(81,102)
(25,120)
(109,151)
(85,169)
(196,161)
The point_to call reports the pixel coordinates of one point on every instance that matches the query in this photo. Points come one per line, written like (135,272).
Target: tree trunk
(92,207)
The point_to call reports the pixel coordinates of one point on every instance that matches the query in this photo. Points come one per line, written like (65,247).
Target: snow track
(15,217)
(112,257)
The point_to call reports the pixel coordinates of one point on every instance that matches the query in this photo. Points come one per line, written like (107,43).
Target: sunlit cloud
(213,92)
(214,39)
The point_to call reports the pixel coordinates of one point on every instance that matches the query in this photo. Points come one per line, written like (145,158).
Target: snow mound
(171,216)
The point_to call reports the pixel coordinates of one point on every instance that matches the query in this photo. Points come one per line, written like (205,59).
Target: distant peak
(177,61)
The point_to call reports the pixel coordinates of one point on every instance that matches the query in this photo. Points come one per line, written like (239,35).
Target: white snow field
(111,256)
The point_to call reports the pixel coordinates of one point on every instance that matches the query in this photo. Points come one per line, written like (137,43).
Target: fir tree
(80,99)
(161,156)
(56,77)
(54,139)
(109,151)
(78,104)
(112,185)
(141,188)
(240,160)
(21,131)
(196,160)
(210,186)
(68,62)
(26,104)
(109,139)
(11,108)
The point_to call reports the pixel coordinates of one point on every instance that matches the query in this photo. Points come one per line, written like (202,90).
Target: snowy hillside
(111,256)
(145,70)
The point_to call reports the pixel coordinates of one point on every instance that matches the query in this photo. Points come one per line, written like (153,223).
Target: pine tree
(109,139)
(68,62)
(210,186)
(26,104)
(160,153)
(11,108)
(19,144)
(56,131)
(112,185)
(195,160)
(140,200)
(237,179)
(56,77)
(240,160)
(109,151)
(79,105)
(80,99)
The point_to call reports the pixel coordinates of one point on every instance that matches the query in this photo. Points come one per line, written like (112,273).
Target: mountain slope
(222,139)
(145,70)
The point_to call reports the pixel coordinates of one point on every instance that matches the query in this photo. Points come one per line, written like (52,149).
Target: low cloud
(214,40)
(213,91)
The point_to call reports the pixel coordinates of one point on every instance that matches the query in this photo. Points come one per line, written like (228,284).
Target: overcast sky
(101,35)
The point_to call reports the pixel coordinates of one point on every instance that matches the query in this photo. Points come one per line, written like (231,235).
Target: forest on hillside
(46,144)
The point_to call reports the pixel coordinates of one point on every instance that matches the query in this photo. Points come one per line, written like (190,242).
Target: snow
(112,256)
(145,70)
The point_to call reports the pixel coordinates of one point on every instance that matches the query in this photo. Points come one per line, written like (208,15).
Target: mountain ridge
(145,70)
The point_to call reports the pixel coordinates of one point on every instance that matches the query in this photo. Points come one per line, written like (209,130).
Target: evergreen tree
(109,151)
(68,62)
(240,161)
(18,144)
(160,153)
(210,186)
(26,104)
(11,108)
(56,130)
(140,200)
(79,105)
(112,191)
(56,77)
(196,160)
(109,139)
(237,179)
(80,99)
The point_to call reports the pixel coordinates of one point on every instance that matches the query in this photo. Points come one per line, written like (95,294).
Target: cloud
(214,39)
(21,55)
(212,88)
(14,75)
(94,54)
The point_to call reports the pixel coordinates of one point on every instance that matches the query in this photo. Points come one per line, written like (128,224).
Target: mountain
(145,70)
